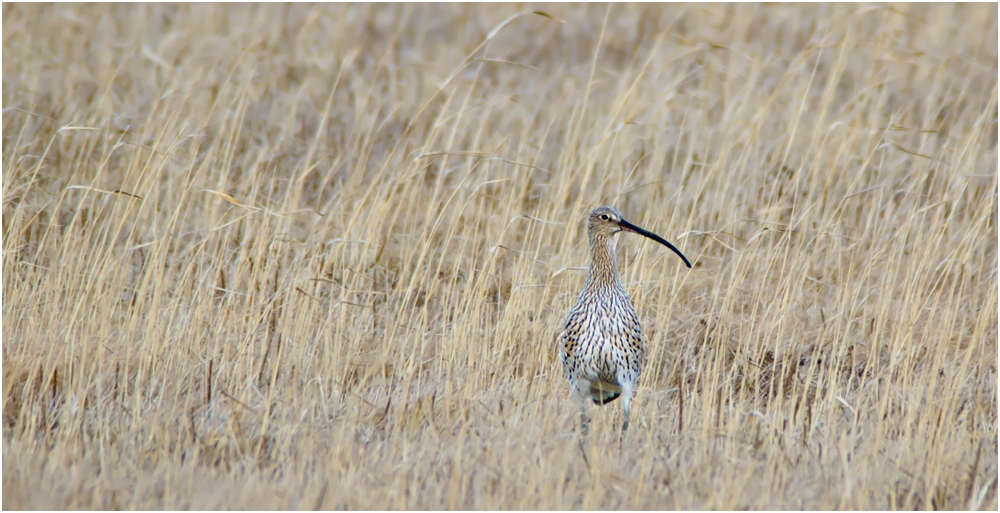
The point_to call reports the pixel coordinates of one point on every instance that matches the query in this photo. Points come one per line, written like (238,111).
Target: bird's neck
(603,265)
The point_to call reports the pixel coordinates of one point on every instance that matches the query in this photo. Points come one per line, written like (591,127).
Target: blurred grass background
(317,256)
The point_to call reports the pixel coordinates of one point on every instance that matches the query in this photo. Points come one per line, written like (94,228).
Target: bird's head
(604,221)
(607,221)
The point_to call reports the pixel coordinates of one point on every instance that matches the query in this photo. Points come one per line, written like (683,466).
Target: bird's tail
(604,393)
(606,398)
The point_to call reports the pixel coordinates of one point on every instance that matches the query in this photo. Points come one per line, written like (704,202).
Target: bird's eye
(604,217)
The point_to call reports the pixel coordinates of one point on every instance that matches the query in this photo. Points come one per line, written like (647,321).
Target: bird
(601,345)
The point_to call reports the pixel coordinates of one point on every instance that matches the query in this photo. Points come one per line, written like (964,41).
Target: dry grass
(270,257)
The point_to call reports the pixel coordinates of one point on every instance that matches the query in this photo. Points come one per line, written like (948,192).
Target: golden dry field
(318,256)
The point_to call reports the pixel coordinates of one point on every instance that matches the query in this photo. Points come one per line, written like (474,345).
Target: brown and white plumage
(602,351)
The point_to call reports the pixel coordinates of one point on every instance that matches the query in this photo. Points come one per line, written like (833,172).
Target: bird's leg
(580,390)
(626,407)
(621,438)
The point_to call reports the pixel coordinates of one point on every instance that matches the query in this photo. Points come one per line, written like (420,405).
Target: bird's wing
(570,337)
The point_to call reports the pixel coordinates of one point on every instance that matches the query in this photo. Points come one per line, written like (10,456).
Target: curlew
(602,351)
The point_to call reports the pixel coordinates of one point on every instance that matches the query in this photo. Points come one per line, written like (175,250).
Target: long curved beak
(629,227)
